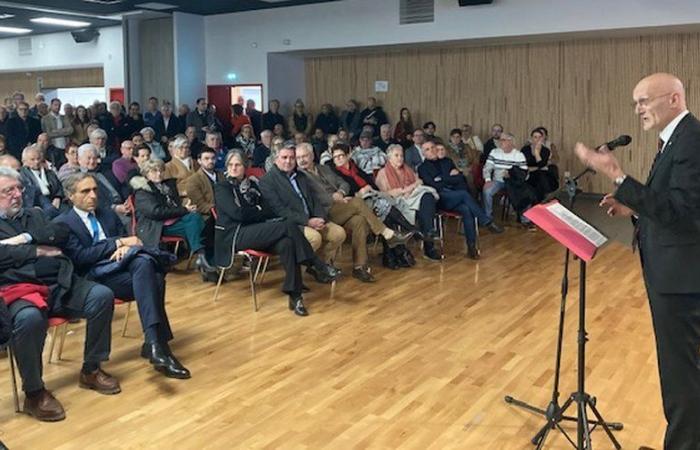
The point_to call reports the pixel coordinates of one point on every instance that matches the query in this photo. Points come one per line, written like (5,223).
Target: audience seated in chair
(149,138)
(429,128)
(160,212)
(213,140)
(71,165)
(262,151)
(496,171)
(368,157)
(414,156)
(124,165)
(384,140)
(537,155)
(373,115)
(246,222)
(37,281)
(362,185)
(416,201)
(110,192)
(245,140)
(290,194)
(181,166)
(300,121)
(443,176)
(492,142)
(467,159)
(101,250)
(348,211)
(36,176)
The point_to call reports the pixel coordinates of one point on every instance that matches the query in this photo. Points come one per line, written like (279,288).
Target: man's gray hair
(98,133)
(180,141)
(266,133)
(28,149)
(305,146)
(507,137)
(8,172)
(386,126)
(147,130)
(85,148)
(72,181)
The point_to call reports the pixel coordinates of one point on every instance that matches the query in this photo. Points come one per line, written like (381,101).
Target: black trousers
(284,239)
(676,319)
(425,216)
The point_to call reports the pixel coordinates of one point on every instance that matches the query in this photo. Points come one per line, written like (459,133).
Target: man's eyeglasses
(644,102)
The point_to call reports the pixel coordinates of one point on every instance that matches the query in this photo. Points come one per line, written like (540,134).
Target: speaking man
(666,212)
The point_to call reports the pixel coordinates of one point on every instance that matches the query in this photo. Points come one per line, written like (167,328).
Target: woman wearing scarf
(382,204)
(245,222)
(416,201)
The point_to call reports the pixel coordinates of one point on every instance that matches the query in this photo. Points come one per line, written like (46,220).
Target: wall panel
(579,90)
(28,81)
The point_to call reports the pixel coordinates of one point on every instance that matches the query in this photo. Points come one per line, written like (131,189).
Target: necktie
(95,228)
(659,147)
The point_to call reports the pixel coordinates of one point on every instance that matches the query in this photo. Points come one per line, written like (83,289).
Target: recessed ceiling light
(14,30)
(60,22)
(6,16)
(155,5)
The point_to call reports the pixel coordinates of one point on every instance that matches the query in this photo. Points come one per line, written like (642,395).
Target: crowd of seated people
(98,189)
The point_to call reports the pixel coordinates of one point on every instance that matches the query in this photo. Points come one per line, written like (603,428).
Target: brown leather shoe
(100,381)
(644,447)
(44,407)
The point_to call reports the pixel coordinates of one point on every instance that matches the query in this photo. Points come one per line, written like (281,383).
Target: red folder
(570,236)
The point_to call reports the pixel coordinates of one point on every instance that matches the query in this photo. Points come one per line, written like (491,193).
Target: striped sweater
(499,162)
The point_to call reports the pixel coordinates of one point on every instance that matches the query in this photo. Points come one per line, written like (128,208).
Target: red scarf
(353,172)
(37,294)
(399,178)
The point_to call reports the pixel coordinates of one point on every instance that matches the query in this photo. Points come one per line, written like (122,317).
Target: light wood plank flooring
(421,359)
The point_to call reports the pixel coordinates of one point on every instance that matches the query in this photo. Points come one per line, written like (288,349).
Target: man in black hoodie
(373,115)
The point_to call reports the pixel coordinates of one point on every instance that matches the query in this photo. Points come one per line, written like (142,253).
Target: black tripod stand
(554,414)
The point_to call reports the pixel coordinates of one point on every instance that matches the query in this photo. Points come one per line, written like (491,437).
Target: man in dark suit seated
(167,125)
(110,196)
(37,177)
(38,281)
(97,235)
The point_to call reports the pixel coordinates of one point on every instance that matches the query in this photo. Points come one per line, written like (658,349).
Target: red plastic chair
(257,263)
(256,172)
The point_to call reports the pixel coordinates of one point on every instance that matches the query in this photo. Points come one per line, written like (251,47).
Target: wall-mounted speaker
(474,2)
(85,35)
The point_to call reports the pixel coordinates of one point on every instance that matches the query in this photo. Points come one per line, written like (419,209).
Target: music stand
(583,240)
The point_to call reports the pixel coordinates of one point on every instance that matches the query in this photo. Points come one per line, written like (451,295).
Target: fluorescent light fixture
(156,6)
(6,16)
(60,22)
(14,30)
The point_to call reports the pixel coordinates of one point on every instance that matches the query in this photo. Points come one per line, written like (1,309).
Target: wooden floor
(421,359)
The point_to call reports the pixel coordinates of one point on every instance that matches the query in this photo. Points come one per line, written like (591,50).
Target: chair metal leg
(253,275)
(13,377)
(64,331)
(441,234)
(264,270)
(476,227)
(177,247)
(126,319)
(53,343)
(218,283)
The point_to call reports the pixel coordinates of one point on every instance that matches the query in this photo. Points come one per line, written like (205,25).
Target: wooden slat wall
(579,90)
(27,82)
(157,60)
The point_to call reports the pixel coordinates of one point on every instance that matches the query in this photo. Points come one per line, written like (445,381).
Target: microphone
(620,141)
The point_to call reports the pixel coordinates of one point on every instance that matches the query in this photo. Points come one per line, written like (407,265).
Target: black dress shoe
(363,274)
(296,304)
(473,252)
(174,369)
(155,353)
(324,273)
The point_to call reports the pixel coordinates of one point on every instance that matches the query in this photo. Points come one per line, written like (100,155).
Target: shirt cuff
(28,237)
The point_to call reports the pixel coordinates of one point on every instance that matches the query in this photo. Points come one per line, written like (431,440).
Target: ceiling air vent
(416,11)
(24,45)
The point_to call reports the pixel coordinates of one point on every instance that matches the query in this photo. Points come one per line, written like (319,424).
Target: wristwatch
(619,180)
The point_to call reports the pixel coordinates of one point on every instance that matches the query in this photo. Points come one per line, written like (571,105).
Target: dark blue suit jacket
(80,248)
